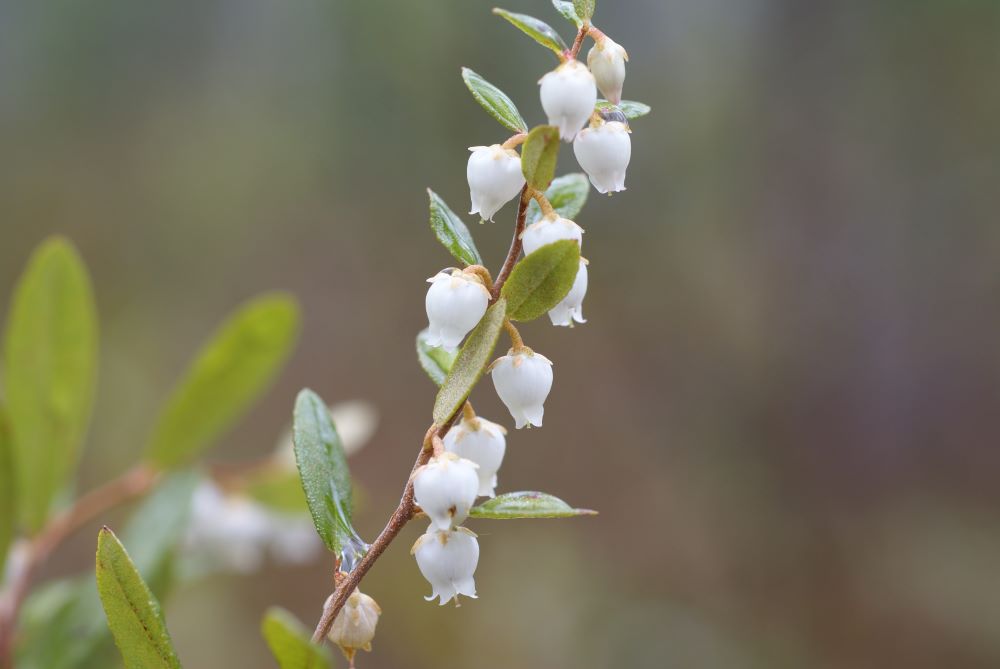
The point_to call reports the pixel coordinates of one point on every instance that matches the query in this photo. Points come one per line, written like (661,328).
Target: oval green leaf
(567,195)
(451,231)
(468,367)
(290,643)
(528,504)
(539,156)
(630,108)
(494,101)
(565,7)
(326,480)
(434,360)
(537,30)
(133,613)
(541,280)
(584,8)
(51,368)
(232,369)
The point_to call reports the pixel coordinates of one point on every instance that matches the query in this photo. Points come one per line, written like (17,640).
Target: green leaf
(567,195)
(494,101)
(584,8)
(133,613)
(539,155)
(630,108)
(565,7)
(326,480)
(8,500)
(290,643)
(232,369)
(435,360)
(526,504)
(472,359)
(62,626)
(541,280)
(537,30)
(51,366)
(451,231)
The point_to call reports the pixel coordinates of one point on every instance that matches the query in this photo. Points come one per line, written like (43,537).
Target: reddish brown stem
(407,507)
(578,42)
(131,484)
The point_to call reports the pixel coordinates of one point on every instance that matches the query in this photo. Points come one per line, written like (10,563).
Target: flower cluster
(466,461)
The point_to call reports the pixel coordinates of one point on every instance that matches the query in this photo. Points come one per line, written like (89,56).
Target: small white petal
(604,153)
(495,178)
(571,307)
(482,442)
(448,559)
(607,63)
(568,95)
(547,230)
(445,488)
(455,303)
(523,381)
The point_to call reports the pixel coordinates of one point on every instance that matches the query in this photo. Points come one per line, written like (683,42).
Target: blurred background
(785,403)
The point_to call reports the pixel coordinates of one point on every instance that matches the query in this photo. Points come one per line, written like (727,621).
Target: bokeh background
(785,403)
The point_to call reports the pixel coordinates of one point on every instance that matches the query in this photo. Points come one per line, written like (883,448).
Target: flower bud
(606,60)
(603,152)
(482,442)
(354,627)
(448,561)
(549,229)
(568,96)
(523,381)
(495,178)
(445,488)
(571,307)
(455,302)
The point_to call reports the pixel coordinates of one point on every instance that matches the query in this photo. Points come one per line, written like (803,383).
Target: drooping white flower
(495,178)
(568,95)
(523,381)
(607,60)
(603,152)
(549,229)
(571,307)
(448,560)
(455,302)
(482,442)
(445,488)
(354,627)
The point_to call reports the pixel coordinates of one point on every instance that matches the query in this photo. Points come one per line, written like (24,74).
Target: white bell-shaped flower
(607,60)
(448,560)
(495,178)
(455,302)
(482,442)
(354,627)
(523,381)
(603,152)
(568,95)
(446,488)
(550,229)
(571,307)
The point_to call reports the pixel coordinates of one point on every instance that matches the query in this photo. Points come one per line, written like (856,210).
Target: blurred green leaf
(62,625)
(435,360)
(290,642)
(541,280)
(276,488)
(584,8)
(537,30)
(565,7)
(133,613)
(539,156)
(526,504)
(451,231)
(630,108)
(51,367)
(494,101)
(232,369)
(322,465)
(471,362)
(8,498)
(567,195)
